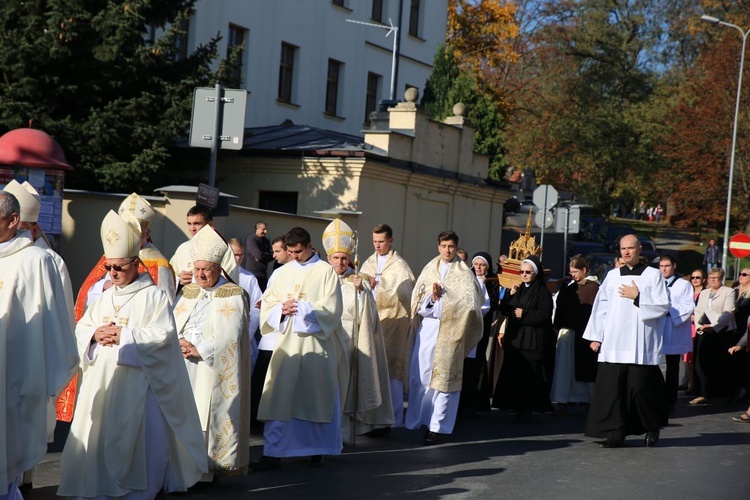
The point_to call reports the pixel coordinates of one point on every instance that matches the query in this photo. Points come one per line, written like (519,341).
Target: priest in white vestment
(368,407)
(135,430)
(197,217)
(31,204)
(626,327)
(307,377)
(34,321)
(98,280)
(392,287)
(447,325)
(211,315)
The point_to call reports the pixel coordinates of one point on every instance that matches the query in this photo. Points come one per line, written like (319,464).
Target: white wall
(320,30)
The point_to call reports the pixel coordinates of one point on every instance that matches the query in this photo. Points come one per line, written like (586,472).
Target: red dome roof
(30,147)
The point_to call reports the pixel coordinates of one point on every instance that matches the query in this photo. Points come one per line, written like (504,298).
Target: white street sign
(545,196)
(544,218)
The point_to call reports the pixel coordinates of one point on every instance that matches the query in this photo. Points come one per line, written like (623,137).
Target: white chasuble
(215,321)
(368,402)
(37,352)
(107,452)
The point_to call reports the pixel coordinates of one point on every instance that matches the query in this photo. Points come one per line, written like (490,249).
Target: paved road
(702,454)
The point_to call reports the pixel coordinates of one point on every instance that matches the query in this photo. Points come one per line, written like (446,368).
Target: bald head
(630,250)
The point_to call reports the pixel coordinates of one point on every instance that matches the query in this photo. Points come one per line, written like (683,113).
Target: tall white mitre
(30,204)
(139,207)
(338,237)
(121,235)
(207,245)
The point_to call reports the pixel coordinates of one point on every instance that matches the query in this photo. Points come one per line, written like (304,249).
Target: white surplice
(677,327)
(629,333)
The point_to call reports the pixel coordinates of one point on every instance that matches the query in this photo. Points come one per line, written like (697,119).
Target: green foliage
(86,73)
(449,85)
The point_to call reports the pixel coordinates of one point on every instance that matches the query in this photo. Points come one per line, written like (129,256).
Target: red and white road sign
(739,245)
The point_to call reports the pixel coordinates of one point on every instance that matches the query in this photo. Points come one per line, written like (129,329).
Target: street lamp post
(744,34)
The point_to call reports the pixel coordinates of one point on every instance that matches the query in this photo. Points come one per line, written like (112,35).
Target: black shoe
(316,461)
(379,432)
(431,438)
(266,463)
(612,442)
(652,438)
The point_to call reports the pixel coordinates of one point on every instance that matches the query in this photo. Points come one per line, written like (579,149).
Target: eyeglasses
(696,277)
(116,267)
(525,272)
(744,274)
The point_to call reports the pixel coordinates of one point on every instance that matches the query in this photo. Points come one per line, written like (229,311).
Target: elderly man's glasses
(116,267)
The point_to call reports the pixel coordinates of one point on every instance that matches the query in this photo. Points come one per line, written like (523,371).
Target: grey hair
(717,270)
(8,205)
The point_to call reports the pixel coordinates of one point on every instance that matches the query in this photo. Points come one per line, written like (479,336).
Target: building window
(236,41)
(332,86)
(414,12)
(279,201)
(377,10)
(181,40)
(286,72)
(371,98)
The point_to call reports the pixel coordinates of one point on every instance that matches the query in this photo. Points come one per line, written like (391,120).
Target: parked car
(610,234)
(525,205)
(648,250)
(600,264)
(586,248)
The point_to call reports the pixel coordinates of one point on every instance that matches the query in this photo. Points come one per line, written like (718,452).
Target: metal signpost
(545,197)
(567,220)
(218,121)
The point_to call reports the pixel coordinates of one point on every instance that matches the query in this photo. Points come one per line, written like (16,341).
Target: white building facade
(302,61)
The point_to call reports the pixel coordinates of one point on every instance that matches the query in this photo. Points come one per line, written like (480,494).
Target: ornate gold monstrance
(520,249)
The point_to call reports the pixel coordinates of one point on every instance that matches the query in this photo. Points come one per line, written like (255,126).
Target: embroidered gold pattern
(112,237)
(228,290)
(191,291)
(227,310)
(297,294)
(180,309)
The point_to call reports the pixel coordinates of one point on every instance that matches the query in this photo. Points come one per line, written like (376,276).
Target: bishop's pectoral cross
(297,294)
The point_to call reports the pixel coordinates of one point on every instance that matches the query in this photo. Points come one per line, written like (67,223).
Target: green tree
(86,72)
(449,85)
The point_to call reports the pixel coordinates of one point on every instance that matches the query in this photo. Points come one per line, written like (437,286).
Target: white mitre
(207,245)
(30,204)
(139,207)
(121,235)
(338,237)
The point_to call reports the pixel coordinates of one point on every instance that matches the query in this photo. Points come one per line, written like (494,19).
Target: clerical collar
(312,260)
(6,244)
(636,270)
(221,281)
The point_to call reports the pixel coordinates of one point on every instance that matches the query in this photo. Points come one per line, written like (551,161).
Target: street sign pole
(565,240)
(216,141)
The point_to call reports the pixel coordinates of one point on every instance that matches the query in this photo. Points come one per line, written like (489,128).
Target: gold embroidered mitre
(30,204)
(121,235)
(207,245)
(338,237)
(139,207)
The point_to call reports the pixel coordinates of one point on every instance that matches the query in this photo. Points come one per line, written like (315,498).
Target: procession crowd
(164,367)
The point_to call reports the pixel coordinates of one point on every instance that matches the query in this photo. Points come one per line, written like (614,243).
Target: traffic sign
(739,245)
(232,127)
(544,218)
(207,195)
(567,216)
(545,196)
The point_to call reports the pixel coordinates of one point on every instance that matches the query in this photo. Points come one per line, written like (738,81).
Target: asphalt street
(702,454)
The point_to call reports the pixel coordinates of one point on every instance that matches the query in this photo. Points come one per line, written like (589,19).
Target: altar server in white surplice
(308,373)
(135,428)
(38,354)
(368,407)
(446,327)
(211,316)
(626,327)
